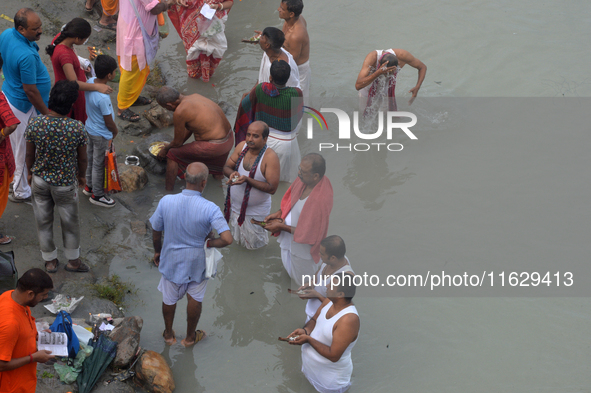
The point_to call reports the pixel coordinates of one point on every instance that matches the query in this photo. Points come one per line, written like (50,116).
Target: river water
(496,181)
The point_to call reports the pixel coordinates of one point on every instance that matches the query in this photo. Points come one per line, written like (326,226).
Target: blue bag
(63,324)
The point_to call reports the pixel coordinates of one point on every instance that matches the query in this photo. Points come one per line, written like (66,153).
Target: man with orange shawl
(204,39)
(302,221)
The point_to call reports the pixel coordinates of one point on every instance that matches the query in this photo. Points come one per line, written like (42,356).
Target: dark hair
(295,6)
(62,96)
(346,281)
(76,28)
(280,72)
(275,36)
(167,95)
(21,17)
(104,65)
(35,280)
(334,245)
(391,59)
(318,163)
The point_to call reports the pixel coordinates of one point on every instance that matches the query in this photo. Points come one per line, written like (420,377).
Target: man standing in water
(386,62)
(187,220)
(253,170)
(328,338)
(297,41)
(302,222)
(204,119)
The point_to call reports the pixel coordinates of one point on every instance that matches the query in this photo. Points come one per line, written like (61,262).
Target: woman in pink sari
(204,39)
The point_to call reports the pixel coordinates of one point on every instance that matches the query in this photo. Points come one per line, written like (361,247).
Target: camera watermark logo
(347,128)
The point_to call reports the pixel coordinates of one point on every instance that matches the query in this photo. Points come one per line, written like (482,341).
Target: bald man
(26,88)
(187,220)
(253,170)
(203,119)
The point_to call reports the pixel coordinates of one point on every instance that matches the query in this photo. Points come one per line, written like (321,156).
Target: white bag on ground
(212,257)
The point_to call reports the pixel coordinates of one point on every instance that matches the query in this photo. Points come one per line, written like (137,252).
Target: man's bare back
(297,41)
(202,118)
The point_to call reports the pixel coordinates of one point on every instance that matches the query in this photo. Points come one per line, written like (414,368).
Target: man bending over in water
(388,62)
(204,119)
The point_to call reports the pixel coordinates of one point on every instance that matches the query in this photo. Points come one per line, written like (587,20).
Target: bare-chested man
(297,41)
(204,119)
(387,62)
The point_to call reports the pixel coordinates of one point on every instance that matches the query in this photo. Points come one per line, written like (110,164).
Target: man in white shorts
(187,220)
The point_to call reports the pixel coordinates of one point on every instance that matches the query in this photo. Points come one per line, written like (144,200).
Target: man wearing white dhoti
(253,173)
(328,338)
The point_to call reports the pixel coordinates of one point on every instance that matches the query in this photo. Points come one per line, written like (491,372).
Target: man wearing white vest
(328,338)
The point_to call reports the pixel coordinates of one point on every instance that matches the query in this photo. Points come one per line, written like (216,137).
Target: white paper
(106,326)
(207,11)
(63,302)
(55,342)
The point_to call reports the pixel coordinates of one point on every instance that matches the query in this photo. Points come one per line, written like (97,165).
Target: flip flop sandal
(5,239)
(83,268)
(128,115)
(199,335)
(54,270)
(141,101)
(110,26)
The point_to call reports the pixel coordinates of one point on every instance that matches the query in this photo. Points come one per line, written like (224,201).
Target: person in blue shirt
(101,129)
(187,220)
(26,87)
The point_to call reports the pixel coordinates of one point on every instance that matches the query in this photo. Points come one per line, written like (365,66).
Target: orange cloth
(18,338)
(110,7)
(313,222)
(4,189)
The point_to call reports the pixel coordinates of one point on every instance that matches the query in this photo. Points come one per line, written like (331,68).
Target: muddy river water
(496,181)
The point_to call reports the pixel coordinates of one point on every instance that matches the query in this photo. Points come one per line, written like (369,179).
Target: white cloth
(265,70)
(249,235)
(212,257)
(305,76)
(286,146)
(19,150)
(259,202)
(297,267)
(323,374)
(172,293)
(313,304)
(296,257)
(364,93)
(215,44)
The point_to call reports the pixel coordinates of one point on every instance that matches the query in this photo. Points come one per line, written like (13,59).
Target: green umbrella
(103,354)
